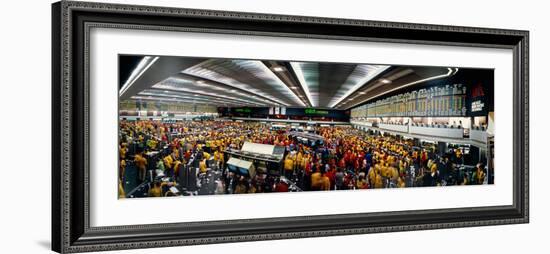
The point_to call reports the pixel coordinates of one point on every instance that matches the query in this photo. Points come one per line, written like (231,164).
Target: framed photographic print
(181,126)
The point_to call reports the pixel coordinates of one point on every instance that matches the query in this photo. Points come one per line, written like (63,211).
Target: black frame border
(71,22)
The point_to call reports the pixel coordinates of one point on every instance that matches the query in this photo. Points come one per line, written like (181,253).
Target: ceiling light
(278,68)
(361,75)
(293,87)
(362,92)
(385,81)
(299,71)
(142,66)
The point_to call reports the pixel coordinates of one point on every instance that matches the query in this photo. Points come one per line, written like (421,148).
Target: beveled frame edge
(71,235)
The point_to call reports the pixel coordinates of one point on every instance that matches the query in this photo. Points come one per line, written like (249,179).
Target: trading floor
(210,126)
(191,158)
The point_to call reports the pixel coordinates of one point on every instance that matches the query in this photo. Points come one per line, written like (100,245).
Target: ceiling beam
(229,87)
(361,76)
(296,67)
(161,69)
(284,72)
(192,93)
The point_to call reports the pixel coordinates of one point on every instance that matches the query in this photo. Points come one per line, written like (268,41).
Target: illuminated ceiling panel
(182,100)
(144,64)
(362,74)
(249,75)
(198,95)
(269,83)
(207,88)
(308,77)
(262,72)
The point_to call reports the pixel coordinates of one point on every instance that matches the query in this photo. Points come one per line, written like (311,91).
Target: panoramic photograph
(191,126)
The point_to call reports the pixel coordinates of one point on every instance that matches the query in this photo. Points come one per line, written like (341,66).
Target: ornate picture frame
(71,23)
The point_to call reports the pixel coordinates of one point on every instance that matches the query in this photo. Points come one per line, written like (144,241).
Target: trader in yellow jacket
(206,155)
(217,156)
(141,164)
(177,164)
(316,182)
(155,190)
(298,161)
(168,160)
(289,167)
(121,193)
(123,149)
(202,166)
(319,181)
(122,169)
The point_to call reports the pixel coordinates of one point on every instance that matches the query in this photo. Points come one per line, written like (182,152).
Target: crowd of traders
(354,159)
(347,158)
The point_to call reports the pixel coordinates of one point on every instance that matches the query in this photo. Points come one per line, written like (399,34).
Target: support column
(441,148)
(416,142)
